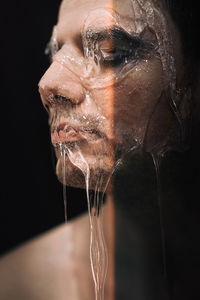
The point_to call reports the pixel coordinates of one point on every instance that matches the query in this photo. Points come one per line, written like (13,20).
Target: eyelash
(117,57)
(126,48)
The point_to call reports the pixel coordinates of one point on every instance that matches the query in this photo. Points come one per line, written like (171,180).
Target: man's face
(108,86)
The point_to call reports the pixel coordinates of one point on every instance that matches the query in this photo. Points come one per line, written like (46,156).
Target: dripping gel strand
(98,249)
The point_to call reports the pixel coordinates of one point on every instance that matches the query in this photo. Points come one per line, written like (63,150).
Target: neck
(140,269)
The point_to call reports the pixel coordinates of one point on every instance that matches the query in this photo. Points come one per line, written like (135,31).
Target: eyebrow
(92,35)
(116,33)
(100,35)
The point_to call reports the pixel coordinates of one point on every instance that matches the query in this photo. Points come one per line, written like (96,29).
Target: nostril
(63,99)
(46,99)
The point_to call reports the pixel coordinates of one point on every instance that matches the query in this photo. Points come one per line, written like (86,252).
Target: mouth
(69,134)
(79,146)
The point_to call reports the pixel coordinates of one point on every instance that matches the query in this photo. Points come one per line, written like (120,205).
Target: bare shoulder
(53,266)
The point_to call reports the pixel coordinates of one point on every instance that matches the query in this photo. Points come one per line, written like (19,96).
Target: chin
(95,172)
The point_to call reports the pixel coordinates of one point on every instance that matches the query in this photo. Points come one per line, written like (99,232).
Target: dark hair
(185,14)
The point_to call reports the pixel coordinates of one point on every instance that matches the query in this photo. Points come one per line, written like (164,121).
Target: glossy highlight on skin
(110,90)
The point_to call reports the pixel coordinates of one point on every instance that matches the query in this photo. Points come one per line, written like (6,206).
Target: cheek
(104,109)
(135,98)
(127,105)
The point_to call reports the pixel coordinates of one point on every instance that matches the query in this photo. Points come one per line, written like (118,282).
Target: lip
(67,133)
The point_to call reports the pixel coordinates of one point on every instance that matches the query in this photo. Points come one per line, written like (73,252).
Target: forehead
(74,13)
(78,7)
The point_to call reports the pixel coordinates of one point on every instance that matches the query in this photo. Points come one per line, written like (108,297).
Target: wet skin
(108,93)
(104,113)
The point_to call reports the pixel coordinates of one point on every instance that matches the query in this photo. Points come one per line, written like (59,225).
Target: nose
(60,85)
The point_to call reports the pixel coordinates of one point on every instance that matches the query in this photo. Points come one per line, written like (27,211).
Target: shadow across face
(112,86)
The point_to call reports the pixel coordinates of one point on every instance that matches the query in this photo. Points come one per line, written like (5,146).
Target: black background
(31,200)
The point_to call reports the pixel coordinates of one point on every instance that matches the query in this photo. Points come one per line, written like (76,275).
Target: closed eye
(122,48)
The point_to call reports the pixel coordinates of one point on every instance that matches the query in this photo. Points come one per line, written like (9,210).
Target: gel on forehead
(97,23)
(141,14)
(158,22)
(145,14)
